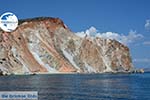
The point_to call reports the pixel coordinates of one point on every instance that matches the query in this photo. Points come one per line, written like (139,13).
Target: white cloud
(140,60)
(146,43)
(147,24)
(125,39)
(91,31)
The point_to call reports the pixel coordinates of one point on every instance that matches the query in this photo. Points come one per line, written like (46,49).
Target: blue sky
(115,16)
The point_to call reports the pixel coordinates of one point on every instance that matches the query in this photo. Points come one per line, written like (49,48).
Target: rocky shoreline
(136,71)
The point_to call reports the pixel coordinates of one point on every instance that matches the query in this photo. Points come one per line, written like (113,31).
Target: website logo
(8,22)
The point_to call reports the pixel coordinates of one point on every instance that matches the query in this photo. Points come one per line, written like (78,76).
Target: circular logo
(8,22)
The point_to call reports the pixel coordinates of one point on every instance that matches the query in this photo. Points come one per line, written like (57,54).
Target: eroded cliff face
(46,45)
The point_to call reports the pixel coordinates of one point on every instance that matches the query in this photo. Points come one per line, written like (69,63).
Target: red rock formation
(47,45)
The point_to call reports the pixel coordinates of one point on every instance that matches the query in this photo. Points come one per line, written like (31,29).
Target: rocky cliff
(46,45)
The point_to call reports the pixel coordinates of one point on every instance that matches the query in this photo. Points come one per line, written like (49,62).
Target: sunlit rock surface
(46,45)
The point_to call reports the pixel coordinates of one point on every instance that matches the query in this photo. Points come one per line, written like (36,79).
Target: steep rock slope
(46,45)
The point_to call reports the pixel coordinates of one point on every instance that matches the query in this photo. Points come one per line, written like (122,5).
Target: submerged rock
(46,45)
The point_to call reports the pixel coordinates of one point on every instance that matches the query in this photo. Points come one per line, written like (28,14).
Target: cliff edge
(46,45)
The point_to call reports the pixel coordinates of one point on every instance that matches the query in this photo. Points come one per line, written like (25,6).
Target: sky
(127,21)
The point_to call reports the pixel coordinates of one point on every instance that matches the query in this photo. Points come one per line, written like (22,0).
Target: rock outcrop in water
(46,45)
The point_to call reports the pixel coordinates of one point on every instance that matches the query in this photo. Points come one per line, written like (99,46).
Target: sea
(81,86)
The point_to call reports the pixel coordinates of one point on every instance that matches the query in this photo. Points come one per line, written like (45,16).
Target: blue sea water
(81,86)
